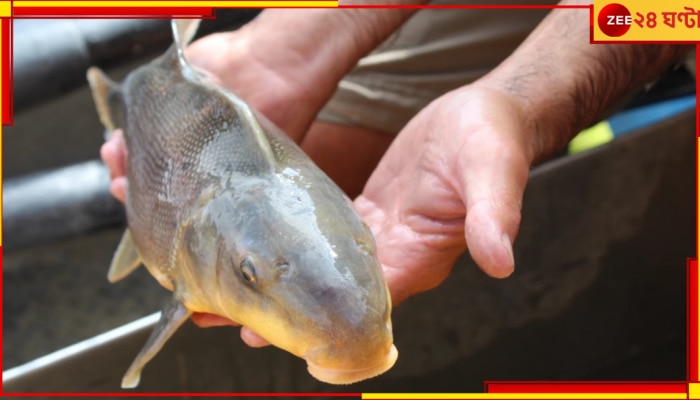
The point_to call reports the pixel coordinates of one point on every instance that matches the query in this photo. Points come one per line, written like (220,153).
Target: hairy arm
(566,84)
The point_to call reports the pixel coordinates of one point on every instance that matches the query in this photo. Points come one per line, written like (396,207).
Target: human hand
(452,179)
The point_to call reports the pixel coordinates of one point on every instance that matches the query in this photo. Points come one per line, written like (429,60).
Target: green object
(594,136)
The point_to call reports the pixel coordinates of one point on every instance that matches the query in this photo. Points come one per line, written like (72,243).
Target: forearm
(565,82)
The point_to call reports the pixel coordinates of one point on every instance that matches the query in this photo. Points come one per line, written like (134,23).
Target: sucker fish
(228,213)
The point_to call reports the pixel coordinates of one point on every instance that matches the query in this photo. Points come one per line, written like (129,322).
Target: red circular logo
(614,20)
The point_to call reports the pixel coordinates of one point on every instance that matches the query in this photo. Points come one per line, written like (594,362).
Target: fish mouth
(337,376)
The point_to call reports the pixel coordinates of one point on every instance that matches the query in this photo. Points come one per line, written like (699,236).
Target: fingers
(416,253)
(205,320)
(453,180)
(113,153)
(252,339)
(489,243)
(117,187)
(493,191)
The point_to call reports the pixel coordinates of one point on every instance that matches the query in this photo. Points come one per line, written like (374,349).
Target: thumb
(493,192)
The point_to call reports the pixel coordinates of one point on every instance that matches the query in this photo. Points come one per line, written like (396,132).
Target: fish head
(296,265)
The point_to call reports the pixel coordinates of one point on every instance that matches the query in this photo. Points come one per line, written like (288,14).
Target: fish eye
(248,270)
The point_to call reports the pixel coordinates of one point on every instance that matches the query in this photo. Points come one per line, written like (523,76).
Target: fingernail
(507,244)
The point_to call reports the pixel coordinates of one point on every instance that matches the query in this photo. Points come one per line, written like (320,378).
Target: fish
(228,213)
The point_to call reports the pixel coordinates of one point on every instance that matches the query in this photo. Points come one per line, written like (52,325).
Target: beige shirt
(435,51)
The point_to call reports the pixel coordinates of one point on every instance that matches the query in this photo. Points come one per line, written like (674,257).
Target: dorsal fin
(183,33)
(184,30)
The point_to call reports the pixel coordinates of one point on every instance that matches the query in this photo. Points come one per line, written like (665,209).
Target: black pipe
(58,204)
(51,56)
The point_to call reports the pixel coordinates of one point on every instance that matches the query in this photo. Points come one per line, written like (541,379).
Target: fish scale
(180,138)
(228,213)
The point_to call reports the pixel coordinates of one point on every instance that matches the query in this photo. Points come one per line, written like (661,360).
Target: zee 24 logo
(614,20)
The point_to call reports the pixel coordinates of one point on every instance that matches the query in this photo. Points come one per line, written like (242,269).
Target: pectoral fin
(125,260)
(171,318)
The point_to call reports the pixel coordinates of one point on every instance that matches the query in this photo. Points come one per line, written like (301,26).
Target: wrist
(565,85)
